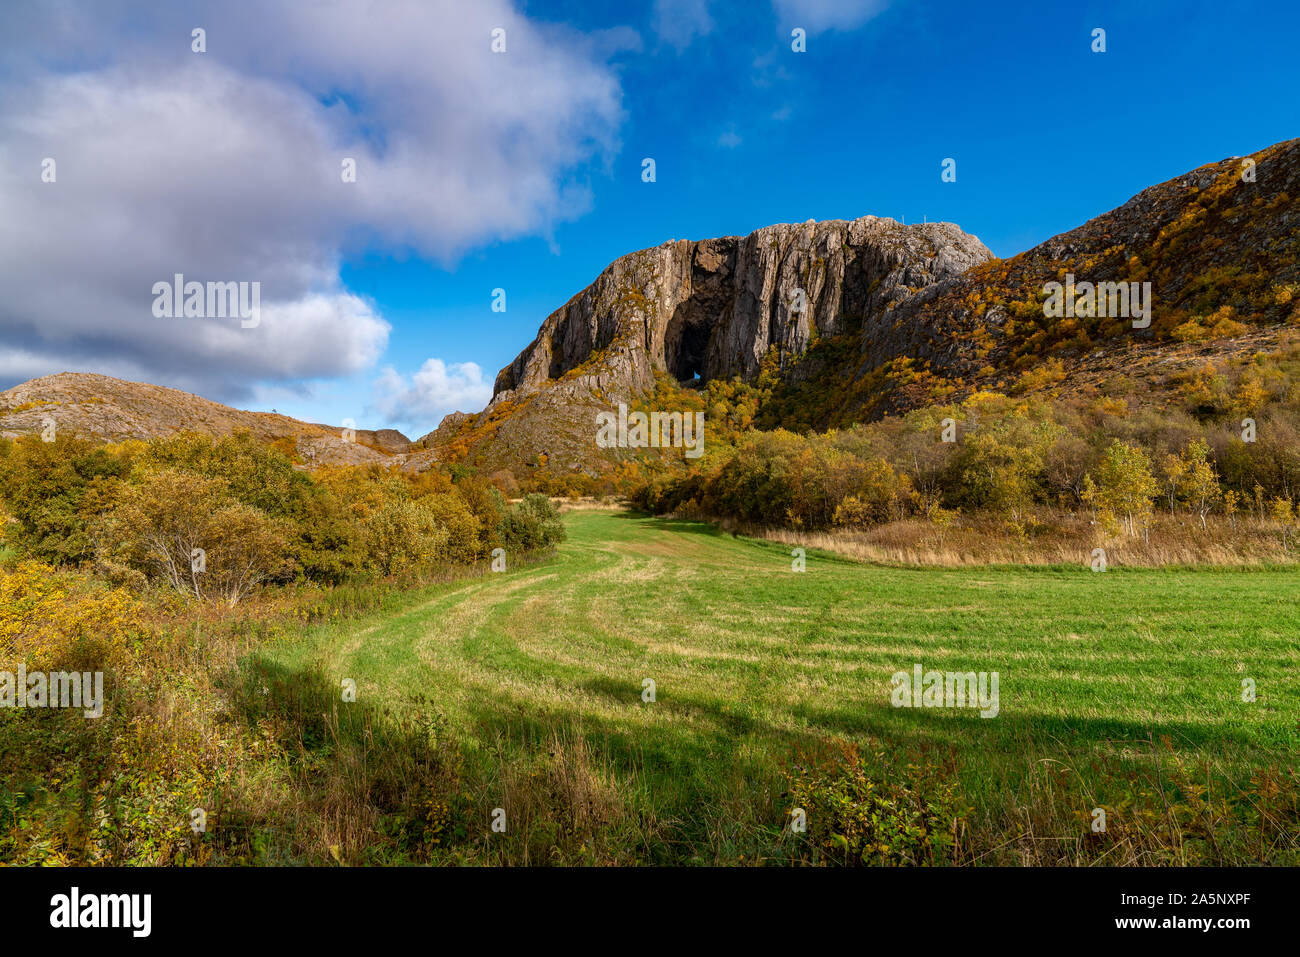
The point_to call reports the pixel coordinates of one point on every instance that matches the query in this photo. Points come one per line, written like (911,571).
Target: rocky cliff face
(697,311)
(714,308)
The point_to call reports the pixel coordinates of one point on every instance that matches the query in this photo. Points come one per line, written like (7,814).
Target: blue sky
(746,132)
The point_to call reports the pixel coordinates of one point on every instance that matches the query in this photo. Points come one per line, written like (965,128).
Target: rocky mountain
(101,407)
(696,311)
(870,317)
(713,308)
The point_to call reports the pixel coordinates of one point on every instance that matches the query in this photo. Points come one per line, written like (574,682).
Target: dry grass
(1059,539)
(589,503)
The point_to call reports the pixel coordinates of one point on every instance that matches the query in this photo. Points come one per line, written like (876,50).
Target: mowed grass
(754,664)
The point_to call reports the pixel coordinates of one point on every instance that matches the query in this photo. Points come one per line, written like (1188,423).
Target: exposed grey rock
(713,308)
(706,309)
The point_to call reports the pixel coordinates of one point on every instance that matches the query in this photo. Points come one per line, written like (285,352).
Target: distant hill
(113,410)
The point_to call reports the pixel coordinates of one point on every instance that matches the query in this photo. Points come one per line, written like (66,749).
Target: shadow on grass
(694,730)
(703,771)
(363,772)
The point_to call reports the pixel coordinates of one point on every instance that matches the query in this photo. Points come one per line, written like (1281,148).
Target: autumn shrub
(487,504)
(1002,464)
(1123,488)
(879,495)
(52,489)
(404,536)
(52,619)
(57,766)
(452,513)
(220,517)
(188,531)
(255,473)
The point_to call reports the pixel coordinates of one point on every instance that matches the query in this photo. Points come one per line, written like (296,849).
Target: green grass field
(1120,690)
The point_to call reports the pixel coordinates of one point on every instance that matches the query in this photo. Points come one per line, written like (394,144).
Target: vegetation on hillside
(1219,457)
(215,583)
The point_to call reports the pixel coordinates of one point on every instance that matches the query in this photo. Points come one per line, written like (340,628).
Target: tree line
(218,518)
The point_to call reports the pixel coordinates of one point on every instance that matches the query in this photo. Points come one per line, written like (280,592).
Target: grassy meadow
(523,690)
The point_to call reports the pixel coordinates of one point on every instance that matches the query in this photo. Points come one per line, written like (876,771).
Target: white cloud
(319,334)
(730,139)
(226,166)
(679,22)
(818,16)
(436,389)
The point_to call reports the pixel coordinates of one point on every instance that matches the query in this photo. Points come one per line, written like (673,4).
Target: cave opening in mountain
(686,345)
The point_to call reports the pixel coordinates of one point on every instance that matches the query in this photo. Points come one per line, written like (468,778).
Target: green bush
(532,524)
(52,489)
(451,512)
(888,814)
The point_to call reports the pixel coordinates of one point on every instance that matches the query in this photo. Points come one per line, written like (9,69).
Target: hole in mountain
(686,345)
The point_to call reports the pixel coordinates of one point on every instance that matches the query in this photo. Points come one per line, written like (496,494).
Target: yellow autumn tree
(1123,488)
